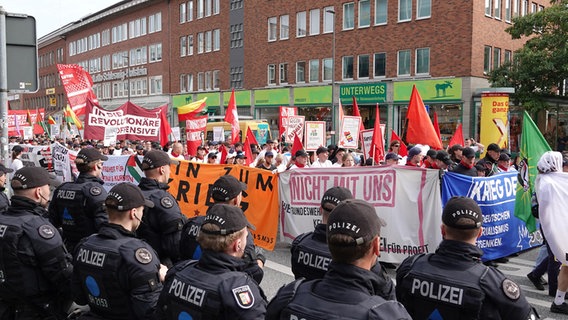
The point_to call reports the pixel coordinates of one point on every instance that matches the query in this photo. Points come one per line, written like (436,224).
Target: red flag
(341,114)
(402,151)
(251,138)
(165,128)
(78,85)
(420,128)
(457,138)
(297,145)
(437,126)
(356,113)
(191,110)
(29,119)
(232,117)
(377,144)
(248,150)
(224,153)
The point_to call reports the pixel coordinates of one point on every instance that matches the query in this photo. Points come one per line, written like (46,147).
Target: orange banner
(190,185)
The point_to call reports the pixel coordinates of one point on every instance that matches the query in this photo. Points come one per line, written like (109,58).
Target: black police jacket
(454,284)
(36,267)
(161,226)
(311,257)
(77,208)
(190,248)
(4,201)
(116,274)
(215,287)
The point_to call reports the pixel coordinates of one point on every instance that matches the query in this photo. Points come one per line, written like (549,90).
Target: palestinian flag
(134,167)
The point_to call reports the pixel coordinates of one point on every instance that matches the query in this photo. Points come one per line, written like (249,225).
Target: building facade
(308,54)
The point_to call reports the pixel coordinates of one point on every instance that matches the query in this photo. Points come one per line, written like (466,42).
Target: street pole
(334,111)
(3,89)
(127,74)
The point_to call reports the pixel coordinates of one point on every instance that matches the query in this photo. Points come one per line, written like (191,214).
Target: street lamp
(334,112)
(127,73)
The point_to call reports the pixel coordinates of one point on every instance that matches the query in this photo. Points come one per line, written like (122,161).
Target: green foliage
(540,66)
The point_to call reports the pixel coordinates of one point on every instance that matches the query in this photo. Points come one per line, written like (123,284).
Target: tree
(539,68)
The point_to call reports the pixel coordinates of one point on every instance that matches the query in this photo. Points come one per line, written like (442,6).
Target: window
(301,24)
(300,72)
(208,41)
(534,7)
(283,73)
(156,52)
(200,40)
(487,59)
(216,6)
(404,63)
(508,10)
(348,16)
(507,56)
(236,31)
(105,36)
(182,83)
(200,81)
(190,14)
(363,67)
(271,74)
(284,27)
(496,58)
(314,22)
(207,12)
(272,27)
(106,62)
(156,85)
(524,7)
(182,17)
(364,13)
(216,79)
(328,19)
(314,70)
(199,16)
(190,82)
(155,23)
(327,69)
(190,45)
(381,11)
(497,12)
(216,39)
(404,10)
(423,61)
(380,65)
(347,70)
(137,27)
(516,8)
(138,56)
(208,80)
(182,46)
(488,8)
(424,9)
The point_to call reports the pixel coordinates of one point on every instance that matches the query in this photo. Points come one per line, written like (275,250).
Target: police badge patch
(167,202)
(46,231)
(95,191)
(143,256)
(511,289)
(243,296)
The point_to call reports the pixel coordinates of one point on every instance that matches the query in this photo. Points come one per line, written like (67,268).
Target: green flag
(533,146)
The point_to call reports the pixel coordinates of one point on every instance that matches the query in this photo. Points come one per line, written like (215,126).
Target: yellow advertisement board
(494,127)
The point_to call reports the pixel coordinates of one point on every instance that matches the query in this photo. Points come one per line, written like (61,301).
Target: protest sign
(295,128)
(315,135)
(350,127)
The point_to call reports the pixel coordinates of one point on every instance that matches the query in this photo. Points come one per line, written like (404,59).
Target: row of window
(141,86)
(206,81)
(49,81)
(48,59)
(206,42)
(510,8)
(492,58)
(123,59)
(205,8)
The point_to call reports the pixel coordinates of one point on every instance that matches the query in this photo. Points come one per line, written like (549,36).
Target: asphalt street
(277,272)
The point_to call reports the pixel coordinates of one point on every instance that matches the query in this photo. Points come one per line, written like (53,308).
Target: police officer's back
(349,290)
(453,283)
(215,287)
(162,224)
(76,207)
(117,274)
(35,266)
(4,201)
(228,190)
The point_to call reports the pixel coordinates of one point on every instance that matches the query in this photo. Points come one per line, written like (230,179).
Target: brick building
(279,53)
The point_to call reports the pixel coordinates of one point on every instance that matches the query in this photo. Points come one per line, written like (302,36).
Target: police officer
(4,201)
(35,267)
(453,283)
(117,274)
(349,289)
(76,207)
(162,223)
(228,190)
(215,286)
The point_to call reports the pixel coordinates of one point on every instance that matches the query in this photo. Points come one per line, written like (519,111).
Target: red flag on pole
(356,113)
(437,126)
(224,153)
(232,117)
(297,145)
(457,138)
(420,128)
(251,138)
(78,85)
(165,128)
(248,151)
(377,144)
(402,151)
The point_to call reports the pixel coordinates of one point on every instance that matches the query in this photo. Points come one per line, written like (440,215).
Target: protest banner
(295,128)
(191,186)
(63,166)
(408,199)
(367,138)
(494,125)
(20,116)
(194,130)
(503,233)
(350,132)
(285,112)
(315,135)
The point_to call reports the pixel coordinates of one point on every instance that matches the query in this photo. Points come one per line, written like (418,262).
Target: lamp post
(334,111)
(127,73)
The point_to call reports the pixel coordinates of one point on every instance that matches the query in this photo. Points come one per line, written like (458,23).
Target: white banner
(315,135)
(115,171)
(110,136)
(349,137)
(408,199)
(295,128)
(63,162)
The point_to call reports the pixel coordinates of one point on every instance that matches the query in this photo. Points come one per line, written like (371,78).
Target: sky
(53,14)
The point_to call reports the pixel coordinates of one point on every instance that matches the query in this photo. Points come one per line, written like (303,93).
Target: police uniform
(345,292)
(161,226)
(4,201)
(76,208)
(215,287)
(454,284)
(116,274)
(35,267)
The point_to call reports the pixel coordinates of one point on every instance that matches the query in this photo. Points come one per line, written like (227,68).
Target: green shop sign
(443,90)
(242,98)
(312,95)
(182,99)
(272,97)
(366,93)
(212,98)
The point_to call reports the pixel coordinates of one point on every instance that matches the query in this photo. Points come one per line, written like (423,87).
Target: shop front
(367,95)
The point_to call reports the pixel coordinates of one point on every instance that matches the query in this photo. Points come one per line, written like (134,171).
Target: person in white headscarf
(552,194)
